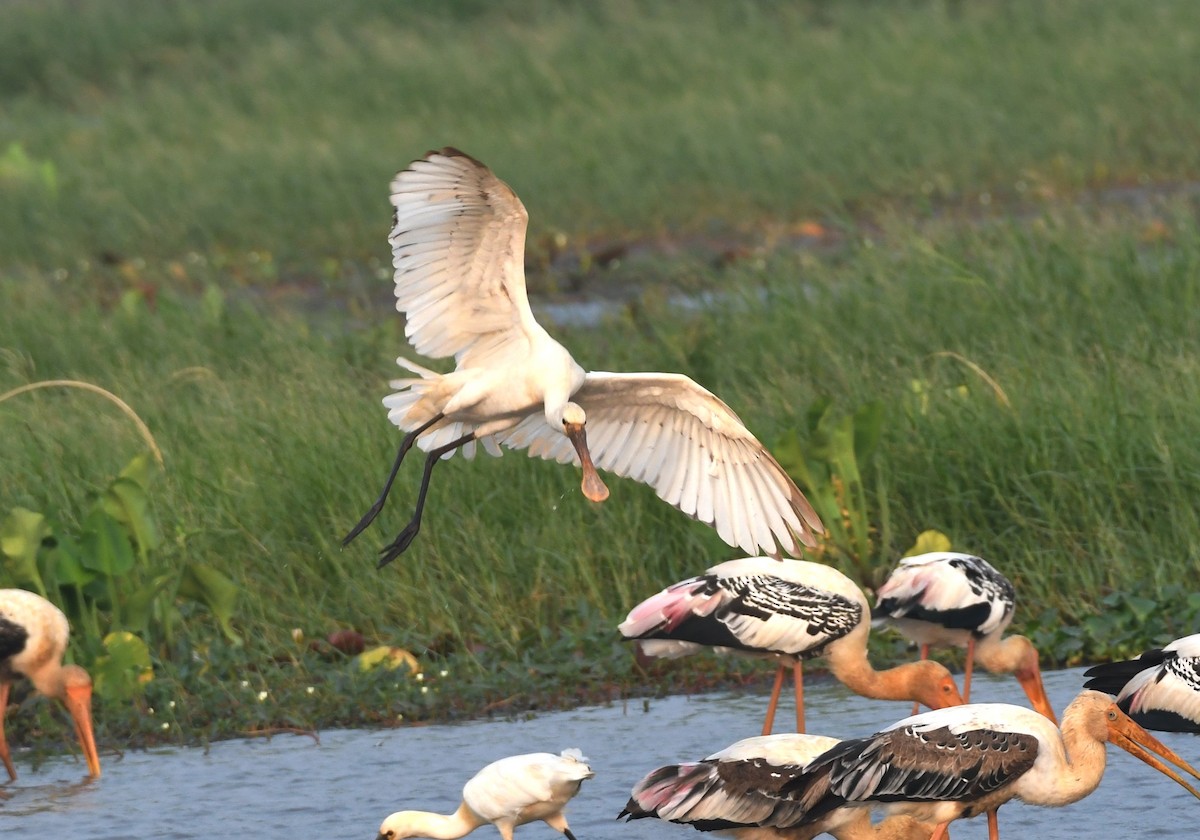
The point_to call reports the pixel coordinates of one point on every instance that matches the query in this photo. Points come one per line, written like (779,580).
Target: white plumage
(948,599)
(458,249)
(1160,689)
(791,609)
(507,793)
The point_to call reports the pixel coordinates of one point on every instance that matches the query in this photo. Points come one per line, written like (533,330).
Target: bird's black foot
(367,519)
(399,545)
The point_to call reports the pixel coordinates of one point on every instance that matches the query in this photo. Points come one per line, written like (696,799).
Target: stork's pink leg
(970,669)
(924,655)
(798,681)
(770,721)
(939,833)
(12,771)
(993,825)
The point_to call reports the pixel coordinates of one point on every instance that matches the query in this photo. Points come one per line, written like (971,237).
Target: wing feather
(458,244)
(691,448)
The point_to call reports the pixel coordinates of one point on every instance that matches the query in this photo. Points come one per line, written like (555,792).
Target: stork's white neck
(1085,761)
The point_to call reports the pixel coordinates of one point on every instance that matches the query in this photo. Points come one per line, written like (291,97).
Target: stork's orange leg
(924,655)
(769,723)
(12,771)
(970,669)
(798,681)
(939,833)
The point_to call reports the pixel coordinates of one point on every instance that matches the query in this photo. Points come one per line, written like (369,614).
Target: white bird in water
(957,763)
(458,246)
(948,599)
(790,610)
(507,793)
(33,639)
(1160,689)
(737,790)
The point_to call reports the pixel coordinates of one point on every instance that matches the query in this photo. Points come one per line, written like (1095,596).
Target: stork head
(932,685)
(574,423)
(1119,729)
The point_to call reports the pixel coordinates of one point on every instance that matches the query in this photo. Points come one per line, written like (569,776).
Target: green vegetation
(194,217)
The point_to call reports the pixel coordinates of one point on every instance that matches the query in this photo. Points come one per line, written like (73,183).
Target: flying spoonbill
(458,247)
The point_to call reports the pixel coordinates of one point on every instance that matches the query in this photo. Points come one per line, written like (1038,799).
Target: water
(292,787)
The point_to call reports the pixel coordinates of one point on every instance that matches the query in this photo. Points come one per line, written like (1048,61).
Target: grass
(207,243)
(272,127)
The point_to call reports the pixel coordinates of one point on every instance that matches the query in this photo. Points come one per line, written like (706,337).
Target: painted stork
(33,639)
(507,793)
(738,788)
(791,610)
(957,763)
(1160,689)
(947,599)
(458,247)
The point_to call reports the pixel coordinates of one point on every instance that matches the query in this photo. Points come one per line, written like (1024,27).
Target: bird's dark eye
(1112,714)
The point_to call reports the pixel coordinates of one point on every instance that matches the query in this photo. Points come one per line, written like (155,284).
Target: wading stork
(738,789)
(947,599)
(1160,689)
(789,610)
(507,793)
(458,247)
(957,763)
(33,639)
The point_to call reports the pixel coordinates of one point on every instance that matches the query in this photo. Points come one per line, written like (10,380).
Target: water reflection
(290,787)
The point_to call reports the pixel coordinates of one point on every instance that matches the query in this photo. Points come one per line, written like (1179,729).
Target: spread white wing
(458,247)
(666,431)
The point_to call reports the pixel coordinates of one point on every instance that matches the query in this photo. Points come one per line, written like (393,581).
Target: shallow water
(292,787)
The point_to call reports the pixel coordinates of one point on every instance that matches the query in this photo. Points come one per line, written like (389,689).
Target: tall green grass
(275,440)
(194,214)
(227,127)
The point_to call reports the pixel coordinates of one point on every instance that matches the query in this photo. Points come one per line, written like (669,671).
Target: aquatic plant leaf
(106,546)
(386,656)
(868,429)
(126,501)
(928,541)
(61,564)
(21,536)
(125,667)
(138,608)
(206,585)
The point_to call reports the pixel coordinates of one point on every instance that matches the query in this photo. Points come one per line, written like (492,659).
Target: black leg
(405,445)
(397,546)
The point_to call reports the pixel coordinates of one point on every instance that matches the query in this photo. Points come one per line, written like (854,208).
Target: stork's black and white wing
(1160,689)
(951,755)
(736,787)
(949,589)
(755,604)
